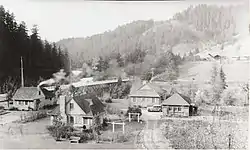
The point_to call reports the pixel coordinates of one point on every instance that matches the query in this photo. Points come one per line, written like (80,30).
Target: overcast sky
(58,19)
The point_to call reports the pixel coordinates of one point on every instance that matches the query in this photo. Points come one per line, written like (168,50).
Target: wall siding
(22,106)
(184,111)
(144,101)
(76,110)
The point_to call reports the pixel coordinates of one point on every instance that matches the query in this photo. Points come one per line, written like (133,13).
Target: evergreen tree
(40,58)
(222,79)
(120,60)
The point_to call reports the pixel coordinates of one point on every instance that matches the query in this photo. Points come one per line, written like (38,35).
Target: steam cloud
(57,77)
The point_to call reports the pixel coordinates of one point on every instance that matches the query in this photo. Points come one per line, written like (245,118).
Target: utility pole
(22,80)
(229,141)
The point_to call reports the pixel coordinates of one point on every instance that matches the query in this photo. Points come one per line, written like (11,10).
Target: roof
(148,90)
(55,111)
(84,83)
(90,104)
(177,99)
(48,93)
(28,93)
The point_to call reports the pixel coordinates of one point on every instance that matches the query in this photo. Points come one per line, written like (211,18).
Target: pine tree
(120,60)
(222,79)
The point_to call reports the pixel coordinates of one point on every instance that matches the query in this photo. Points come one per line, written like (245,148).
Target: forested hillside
(189,30)
(40,58)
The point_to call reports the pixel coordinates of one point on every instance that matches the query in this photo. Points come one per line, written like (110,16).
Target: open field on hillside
(237,71)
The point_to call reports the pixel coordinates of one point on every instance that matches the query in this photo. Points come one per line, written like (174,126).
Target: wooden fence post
(129,119)
(113,126)
(123,124)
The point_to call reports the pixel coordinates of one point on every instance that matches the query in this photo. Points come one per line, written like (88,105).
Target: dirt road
(152,135)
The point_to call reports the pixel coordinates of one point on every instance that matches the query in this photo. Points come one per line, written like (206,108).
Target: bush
(49,107)
(105,124)
(13,109)
(1,107)
(204,135)
(135,109)
(34,116)
(109,100)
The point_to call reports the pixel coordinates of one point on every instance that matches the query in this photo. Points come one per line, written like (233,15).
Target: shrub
(1,107)
(134,109)
(104,123)
(109,100)
(13,109)
(33,116)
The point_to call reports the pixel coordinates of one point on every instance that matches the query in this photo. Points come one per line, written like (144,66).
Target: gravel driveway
(152,135)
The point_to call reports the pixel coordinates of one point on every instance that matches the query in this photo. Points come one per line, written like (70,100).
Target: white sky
(58,19)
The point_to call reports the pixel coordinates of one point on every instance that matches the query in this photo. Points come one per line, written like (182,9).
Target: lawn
(120,104)
(34,135)
(128,137)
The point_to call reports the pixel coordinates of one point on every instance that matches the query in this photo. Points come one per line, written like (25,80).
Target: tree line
(40,58)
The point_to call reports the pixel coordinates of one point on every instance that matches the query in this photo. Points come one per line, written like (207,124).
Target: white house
(78,111)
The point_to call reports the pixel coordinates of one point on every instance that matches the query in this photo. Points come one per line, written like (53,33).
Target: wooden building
(78,111)
(28,98)
(147,95)
(178,105)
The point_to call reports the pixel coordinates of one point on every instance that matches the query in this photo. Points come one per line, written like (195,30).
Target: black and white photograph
(78,74)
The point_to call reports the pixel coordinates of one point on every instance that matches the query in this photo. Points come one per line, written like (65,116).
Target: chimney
(62,101)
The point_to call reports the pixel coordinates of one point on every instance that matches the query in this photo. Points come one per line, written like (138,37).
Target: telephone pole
(22,80)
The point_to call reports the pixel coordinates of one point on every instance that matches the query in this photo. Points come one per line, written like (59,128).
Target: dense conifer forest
(40,58)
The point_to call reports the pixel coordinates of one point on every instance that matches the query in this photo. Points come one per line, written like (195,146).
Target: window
(179,108)
(26,102)
(170,108)
(134,100)
(71,119)
(85,121)
(175,108)
(39,92)
(20,102)
(153,100)
(71,106)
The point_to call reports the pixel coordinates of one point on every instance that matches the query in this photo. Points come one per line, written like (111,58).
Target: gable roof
(148,90)
(48,93)
(55,111)
(90,104)
(28,93)
(177,99)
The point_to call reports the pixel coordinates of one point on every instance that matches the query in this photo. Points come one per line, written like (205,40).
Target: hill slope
(186,31)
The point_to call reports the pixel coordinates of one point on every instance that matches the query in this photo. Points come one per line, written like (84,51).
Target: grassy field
(120,104)
(237,71)
(34,135)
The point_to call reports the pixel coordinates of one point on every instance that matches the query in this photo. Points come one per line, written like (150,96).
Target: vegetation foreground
(184,134)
